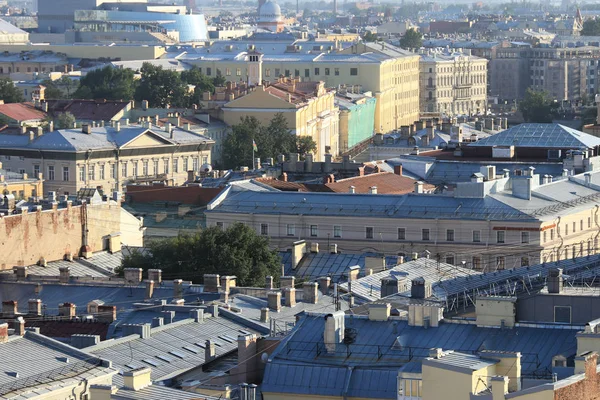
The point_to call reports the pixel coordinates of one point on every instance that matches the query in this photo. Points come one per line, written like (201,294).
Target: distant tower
(254,59)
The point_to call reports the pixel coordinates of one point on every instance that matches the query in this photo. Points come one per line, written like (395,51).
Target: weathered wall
(585,389)
(25,238)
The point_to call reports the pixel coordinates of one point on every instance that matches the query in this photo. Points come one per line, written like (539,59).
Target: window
(113,171)
(307,73)
(327,71)
(524,237)
(277,72)
(36,170)
(208,71)
(581,225)
(296,72)
(425,234)
(317,71)
(101,172)
(401,233)
(155,166)
(291,230)
(144,168)
(82,173)
(562,314)
(238,72)
(175,165)
(477,263)
(268,72)
(450,259)
(51,172)
(524,261)
(450,235)
(566,229)
(219,225)
(476,236)
(65,173)
(124,169)
(500,262)
(92,172)
(314,230)
(135,169)
(21,170)
(369,232)
(264,229)
(551,234)
(354,71)
(500,236)
(337,231)
(195,165)
(336,71)
(166,167)
(589,222)
(574,227)
(287,73)
(545,236)
(185,164)
(227,72)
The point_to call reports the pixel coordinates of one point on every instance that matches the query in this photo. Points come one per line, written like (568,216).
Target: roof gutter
(347,383)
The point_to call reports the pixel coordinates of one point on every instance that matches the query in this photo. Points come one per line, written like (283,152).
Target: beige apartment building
(107,157)
(453,83)
(308,108)
(494,222)
(390,73)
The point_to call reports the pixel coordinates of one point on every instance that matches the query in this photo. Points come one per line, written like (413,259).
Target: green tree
(305,144)
(65,120)
(412,39)
(107,83)
(271,140)
(195,77)
(52,90)
(591,27)
(537,106)
(370,37)
(9,92)
(237,250)
(162,88)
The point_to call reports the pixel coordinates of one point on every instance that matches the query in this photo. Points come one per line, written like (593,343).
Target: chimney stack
(269,283)
(287,282)
(420,289)
(177,288)
(324,283)
(67,310)
(555,280)
(9,308)
(210,351)
(274,301)
(311,292)
(3,333)
(264,314)
(290,297)
(149,289)
(34,307)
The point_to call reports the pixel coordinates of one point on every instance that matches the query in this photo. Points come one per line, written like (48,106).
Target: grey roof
(336,381)
(34,355)
(393,343)
(315,265)
(540,135)
(434,272)
(101,264)
(461,361)
(52,294)
(174,348)
(100,138)
(8,28)
(156,392)
(366,205)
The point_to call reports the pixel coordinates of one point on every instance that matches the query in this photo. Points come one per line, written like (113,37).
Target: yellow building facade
(308,108)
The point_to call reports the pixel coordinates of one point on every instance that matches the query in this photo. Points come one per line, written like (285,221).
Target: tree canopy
(271,140)
(65,120)
(162,87)
(591,27)
(237,250)
(63,88)
(9,92)
(537,106)
(107,83)
(370,37)
(412,39)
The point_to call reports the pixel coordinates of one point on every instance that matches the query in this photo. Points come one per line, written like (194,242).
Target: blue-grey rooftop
(540,135)
(100,138)
(315,265)
(366,205)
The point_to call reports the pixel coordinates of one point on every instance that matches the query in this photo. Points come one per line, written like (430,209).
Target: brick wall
(586,389)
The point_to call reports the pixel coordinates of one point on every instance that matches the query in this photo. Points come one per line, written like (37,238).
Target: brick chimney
(3,333)
(274,301)
(34,307)
(67,310)
(311,292)
(290,297)
(398,169)
(9,308)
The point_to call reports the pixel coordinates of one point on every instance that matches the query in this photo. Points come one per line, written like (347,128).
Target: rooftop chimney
(9,308)
(137,379)
(311,292)
(133,276)
(420,288)
(352,189)
(324,283)
(274,301)
(379,312)
(398,169)
(419,187)
(373,190)
(3,333)
(334,330)
(290,296)
(210,351)
(86,128)
(269,283)
(287,282)
(34,307)
(211,283)
(155,275)
(555,280)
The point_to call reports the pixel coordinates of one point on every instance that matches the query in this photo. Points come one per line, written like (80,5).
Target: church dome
(270,12)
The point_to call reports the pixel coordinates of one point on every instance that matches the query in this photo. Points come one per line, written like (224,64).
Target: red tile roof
(91,110)
(283,185)
(386,182)
(21,112)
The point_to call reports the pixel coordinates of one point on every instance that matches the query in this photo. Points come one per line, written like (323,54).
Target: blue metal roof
(540,135)
(366,205)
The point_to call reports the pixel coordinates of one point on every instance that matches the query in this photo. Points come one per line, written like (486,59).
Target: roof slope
(21,112)
(540,135)
(386,183)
